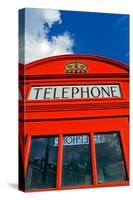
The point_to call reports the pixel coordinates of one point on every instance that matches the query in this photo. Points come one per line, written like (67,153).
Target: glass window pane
(76,161)
(110,162)
(42,163)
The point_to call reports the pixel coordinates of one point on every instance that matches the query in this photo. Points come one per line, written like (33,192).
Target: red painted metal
(59,162)
(93,158)
(27,152)
(74,116)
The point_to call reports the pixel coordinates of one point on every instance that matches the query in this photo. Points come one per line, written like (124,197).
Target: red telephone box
(74,123)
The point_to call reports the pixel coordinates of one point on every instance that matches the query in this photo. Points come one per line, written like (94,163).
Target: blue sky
(97,33)
(53,32)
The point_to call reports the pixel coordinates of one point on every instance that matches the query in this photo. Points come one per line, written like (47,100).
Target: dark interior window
(76,160)
(110,162)
(41,171)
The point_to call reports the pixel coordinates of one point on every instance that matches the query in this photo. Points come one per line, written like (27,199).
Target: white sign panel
(74,91)
(80,140)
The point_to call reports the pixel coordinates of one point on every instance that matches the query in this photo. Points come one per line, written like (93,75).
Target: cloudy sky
(52,32)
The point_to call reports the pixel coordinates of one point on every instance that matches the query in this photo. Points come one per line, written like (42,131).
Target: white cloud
(52,16)
(38,44)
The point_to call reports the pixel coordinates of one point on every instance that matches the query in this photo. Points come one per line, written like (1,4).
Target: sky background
(53,32)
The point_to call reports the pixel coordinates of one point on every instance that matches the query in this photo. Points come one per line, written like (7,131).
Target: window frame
(83,133)
(93,160)
(27,157)
(122,153)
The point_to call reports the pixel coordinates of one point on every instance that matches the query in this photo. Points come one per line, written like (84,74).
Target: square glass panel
(76,168)
(41,171)
(109,157)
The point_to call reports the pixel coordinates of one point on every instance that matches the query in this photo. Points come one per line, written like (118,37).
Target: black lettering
(93,93)
(56,141)
(47,92)
(113,91)
(96,138)
(104,91)
(83,91)
(86,139)
(80,139)
(64,92)
(68,139)
(54,95)
(74,139)
(75,90)
(37,92)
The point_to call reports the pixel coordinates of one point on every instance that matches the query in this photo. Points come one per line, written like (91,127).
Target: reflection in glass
(76,168)
(110,163)
(42,163)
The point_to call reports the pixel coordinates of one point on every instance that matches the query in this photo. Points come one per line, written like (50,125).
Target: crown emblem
(76,67)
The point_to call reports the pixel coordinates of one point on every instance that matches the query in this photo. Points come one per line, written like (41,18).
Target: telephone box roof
(57,65)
